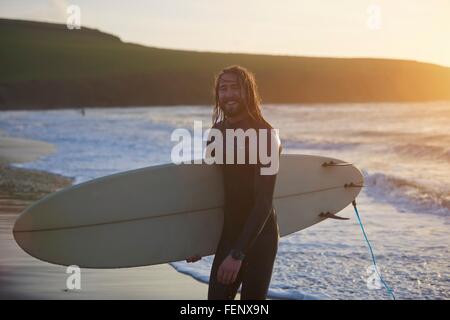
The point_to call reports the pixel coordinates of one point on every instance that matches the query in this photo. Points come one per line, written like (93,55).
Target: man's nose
(231,94)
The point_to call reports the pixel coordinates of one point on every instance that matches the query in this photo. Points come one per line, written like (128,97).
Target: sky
(399,29)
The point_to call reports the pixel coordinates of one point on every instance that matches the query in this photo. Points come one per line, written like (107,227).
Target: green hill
(46,65)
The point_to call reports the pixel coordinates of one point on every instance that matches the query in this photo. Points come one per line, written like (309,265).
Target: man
(249,241)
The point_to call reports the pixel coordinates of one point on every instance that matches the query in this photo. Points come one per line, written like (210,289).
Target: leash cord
(388,289)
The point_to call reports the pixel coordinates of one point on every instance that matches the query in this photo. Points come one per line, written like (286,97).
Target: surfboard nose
(22,237)
(22,223)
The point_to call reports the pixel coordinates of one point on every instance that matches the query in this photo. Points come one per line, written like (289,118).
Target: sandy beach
(24,277)
(22,150)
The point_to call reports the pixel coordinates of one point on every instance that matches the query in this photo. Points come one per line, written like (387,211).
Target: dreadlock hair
(251,97)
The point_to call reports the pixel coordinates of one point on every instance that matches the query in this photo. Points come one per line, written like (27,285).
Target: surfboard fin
(332,163)
(351,184)
(331,216)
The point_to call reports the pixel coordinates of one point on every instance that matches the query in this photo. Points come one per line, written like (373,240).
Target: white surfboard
(169,212)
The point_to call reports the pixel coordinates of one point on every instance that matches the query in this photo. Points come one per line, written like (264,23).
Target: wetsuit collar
(239,121)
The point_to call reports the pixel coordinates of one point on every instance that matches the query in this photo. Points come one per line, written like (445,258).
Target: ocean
(403,150)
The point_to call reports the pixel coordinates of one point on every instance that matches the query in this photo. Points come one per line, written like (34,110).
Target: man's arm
(262,208)
(195,258)
(259,214)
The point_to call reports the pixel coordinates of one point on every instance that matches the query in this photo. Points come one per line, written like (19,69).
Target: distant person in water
(249,241)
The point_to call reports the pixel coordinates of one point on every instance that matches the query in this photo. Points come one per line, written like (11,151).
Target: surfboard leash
(374,263)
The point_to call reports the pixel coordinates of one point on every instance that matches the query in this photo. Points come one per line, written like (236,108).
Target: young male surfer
(249,241)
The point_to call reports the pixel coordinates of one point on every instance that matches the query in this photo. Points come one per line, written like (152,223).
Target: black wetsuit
(250,224)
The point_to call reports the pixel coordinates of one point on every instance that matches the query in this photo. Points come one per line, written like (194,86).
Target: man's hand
(193,258)
(228,270)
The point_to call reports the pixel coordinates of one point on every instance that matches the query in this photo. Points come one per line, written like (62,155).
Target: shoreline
(25,277)
(299,104)
(17,150)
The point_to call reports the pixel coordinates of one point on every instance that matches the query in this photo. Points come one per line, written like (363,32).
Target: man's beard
(233,111)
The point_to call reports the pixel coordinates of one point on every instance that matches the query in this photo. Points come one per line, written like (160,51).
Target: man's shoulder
(272,134)
(262,124)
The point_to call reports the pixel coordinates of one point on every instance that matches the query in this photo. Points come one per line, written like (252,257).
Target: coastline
(25,277)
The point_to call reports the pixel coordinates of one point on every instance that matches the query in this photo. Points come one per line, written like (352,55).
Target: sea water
(402,149)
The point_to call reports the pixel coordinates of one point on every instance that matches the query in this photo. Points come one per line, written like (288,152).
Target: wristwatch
(237,254)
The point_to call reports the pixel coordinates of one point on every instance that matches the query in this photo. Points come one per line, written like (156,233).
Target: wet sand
(24,277)
(22,150)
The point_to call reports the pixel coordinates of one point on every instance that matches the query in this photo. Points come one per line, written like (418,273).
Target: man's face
(230,100)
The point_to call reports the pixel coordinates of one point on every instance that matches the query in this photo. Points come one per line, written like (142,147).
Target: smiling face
(230,95)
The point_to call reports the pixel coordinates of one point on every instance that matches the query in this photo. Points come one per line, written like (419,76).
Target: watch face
(238,255)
